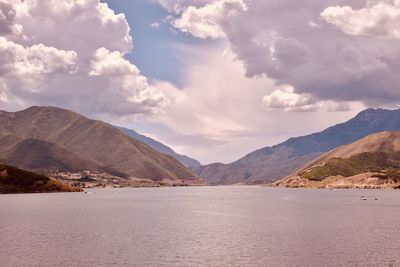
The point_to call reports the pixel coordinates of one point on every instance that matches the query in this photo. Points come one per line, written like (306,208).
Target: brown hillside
(16,180)
(371,162)
(96,142)
(41,155)
(384,142)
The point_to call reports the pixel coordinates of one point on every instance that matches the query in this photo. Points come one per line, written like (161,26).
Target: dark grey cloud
(338,50)
(290,42)
(7,15)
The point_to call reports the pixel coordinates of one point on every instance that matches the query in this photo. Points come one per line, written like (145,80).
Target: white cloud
(34,60)
(286,98)
(126,81)
(378,19)
(314,25)
(110,63)
(155,25)
(74,59)
(204,22)
(79,25)
(209,101)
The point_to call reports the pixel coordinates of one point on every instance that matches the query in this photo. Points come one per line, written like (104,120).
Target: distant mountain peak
(370,113)
(44,108)
(160,147)
(273,163)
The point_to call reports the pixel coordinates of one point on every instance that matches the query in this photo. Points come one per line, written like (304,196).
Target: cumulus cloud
(204,21)
(127,82)
(378,19)
(34,60)
(295,43)
(79,25)
(74,59)
(110,63)
(286,98)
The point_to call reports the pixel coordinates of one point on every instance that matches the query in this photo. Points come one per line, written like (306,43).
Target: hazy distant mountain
(48,137)
(273,163)
(371,162)
(185,160)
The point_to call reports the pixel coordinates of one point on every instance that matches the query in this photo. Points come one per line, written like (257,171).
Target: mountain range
(160,147)
(57,139)
(49,138)
(371,162)
(273,163)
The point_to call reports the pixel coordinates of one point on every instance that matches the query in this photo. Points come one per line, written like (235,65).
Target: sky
(213,79)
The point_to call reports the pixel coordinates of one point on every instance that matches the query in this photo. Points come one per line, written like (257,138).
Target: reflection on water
(203,226)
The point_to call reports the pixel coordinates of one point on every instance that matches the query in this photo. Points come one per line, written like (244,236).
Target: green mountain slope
(375,158)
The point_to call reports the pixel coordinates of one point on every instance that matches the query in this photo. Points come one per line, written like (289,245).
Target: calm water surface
(203,226)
